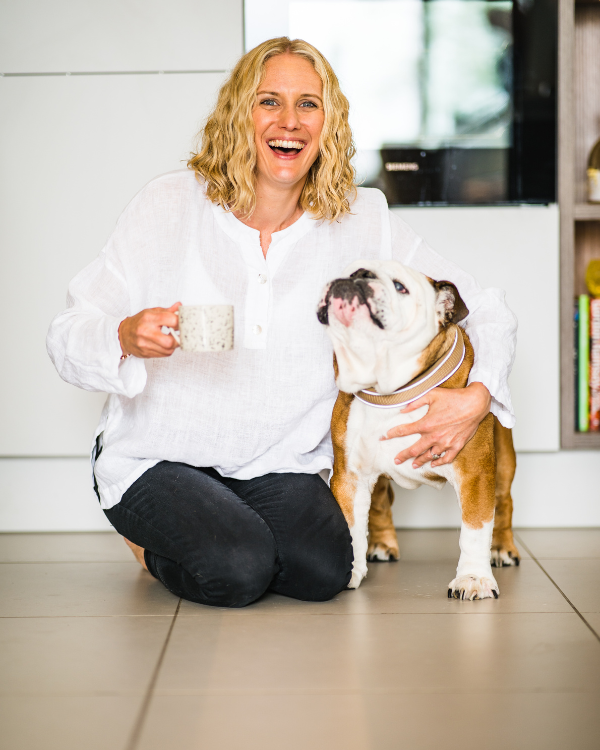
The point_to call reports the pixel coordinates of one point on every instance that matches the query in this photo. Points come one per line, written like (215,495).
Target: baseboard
(550,490)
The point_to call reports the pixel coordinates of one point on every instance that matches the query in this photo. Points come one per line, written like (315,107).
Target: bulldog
(395,337)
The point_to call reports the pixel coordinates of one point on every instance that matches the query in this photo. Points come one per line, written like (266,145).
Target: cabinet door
(515,249)
(74,151)
(119,35)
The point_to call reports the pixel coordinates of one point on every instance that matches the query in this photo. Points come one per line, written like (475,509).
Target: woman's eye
(400,287)
(270,102)
(309,105)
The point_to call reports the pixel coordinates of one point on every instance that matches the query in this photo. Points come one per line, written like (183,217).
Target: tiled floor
(96,655)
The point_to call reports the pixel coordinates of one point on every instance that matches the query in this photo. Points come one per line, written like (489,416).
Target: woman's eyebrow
(276,93)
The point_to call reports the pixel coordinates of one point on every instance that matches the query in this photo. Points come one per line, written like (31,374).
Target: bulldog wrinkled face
(380,317)
(374,296)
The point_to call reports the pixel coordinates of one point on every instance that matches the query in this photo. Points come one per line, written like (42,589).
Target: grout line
(67,562)
(101,73)
(419,613)
(137,729)
(558,588)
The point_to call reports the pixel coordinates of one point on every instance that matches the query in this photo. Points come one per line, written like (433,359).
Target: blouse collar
(240,232)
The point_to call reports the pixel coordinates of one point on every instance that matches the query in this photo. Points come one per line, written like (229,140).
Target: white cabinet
(37,36)
(74,151)
(515,248)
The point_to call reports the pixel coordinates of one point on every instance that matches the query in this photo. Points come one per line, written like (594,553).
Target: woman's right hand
(141,334)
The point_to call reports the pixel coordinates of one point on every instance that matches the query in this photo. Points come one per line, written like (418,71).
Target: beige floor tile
(417,587)
(412,653)
(78,589)
(92,547)
(71,723)
(432,545)
(479,721)
(79,655)
(562,544)
(579,580)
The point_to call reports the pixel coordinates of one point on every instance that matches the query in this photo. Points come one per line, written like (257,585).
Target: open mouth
(286,148)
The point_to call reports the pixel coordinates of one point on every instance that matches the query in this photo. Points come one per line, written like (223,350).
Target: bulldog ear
(449,306)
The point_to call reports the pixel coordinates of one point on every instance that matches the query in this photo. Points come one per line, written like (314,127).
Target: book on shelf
(583,363)
(595,365)
(576,360)
(586,328)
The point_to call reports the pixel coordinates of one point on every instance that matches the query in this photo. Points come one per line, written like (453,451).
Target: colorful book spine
(595,365)
(576,359)
(584,363)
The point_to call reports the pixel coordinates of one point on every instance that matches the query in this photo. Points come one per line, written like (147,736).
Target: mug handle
(171,332)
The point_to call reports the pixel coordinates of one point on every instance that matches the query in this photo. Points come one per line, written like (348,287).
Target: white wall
(75,148)
(550,489)
(515,248)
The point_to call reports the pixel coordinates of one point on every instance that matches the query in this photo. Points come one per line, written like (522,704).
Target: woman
(208,463)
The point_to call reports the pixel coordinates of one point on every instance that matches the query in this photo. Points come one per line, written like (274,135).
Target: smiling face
(288,118)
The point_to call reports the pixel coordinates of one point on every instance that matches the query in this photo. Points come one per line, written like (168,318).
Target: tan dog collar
(435,375)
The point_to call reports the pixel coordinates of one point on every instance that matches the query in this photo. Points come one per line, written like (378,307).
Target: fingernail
(415,466)
(396,460)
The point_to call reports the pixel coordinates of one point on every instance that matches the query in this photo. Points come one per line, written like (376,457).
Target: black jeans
(224,542)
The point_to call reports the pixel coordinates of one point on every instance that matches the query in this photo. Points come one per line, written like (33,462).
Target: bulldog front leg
(474,577)
(475,483)
(358,532)
(354,499)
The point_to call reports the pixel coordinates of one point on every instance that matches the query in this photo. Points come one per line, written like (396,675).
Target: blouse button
(262,279)
(256,330)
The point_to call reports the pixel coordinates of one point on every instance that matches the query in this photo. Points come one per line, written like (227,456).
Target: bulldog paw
(504,550)
(473,587)
(380,552)
(501,557)
(357,576)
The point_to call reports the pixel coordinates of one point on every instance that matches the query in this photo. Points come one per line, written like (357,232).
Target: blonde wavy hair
(226,157)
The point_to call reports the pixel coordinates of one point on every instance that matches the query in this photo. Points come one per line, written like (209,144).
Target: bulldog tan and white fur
(389,324)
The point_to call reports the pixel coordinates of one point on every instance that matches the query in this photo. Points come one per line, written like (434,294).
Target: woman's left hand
(452,419)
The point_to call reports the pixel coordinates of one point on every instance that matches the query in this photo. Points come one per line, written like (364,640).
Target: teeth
(286,144)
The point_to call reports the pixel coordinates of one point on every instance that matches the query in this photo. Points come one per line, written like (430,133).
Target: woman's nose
(289,119)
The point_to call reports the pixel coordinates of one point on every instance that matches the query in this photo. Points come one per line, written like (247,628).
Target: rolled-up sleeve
(491,325)
(83,341)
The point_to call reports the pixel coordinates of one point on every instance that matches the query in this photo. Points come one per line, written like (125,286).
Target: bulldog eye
(400,287)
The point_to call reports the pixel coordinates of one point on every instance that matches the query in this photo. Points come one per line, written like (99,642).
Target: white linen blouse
(264,406)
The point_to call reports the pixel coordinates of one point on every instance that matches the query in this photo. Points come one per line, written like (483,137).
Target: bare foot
(138,553)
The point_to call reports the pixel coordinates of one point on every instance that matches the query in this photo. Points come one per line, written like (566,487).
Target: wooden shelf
(586,440)
(587,211)
(578,129)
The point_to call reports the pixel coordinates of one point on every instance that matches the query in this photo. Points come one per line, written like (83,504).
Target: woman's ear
(449,306)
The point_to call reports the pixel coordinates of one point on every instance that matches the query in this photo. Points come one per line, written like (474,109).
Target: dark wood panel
(566,188)
(587,91)
(579,128)
(587,246)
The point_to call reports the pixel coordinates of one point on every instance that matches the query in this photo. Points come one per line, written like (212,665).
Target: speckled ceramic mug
(206,328)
